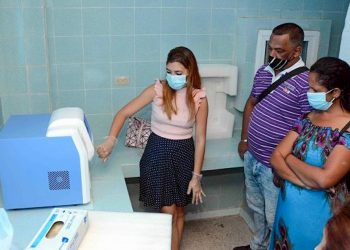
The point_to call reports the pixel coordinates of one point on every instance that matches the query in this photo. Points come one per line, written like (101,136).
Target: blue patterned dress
(301,214)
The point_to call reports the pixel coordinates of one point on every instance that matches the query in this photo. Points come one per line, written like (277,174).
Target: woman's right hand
(105,149)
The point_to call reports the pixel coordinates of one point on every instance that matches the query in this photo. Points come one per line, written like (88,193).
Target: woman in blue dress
(313,160)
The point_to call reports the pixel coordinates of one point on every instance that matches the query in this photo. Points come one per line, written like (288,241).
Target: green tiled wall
(57,53)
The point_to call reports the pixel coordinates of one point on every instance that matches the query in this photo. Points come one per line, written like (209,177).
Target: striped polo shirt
(275,115)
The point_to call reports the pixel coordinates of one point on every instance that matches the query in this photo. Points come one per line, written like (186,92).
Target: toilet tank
(219,80)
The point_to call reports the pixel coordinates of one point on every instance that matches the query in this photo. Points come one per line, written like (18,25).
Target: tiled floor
(224,191)
(222,233)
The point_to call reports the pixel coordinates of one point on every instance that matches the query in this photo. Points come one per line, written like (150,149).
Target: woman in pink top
(170,168)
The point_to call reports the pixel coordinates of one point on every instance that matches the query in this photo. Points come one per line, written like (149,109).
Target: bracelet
(244,140)
(198,175)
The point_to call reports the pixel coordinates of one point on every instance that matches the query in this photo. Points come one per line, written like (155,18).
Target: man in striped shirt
(266,123)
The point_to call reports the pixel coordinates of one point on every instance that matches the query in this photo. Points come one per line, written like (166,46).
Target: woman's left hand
(196,188)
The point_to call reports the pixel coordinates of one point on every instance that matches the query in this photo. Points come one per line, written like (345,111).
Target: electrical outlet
(121,80)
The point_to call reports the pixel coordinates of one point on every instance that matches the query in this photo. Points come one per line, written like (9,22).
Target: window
(309,53)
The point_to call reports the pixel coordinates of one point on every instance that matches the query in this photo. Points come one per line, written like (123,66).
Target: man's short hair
(295,32)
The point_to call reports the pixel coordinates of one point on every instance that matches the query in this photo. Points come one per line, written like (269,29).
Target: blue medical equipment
(44,159)
(6,230)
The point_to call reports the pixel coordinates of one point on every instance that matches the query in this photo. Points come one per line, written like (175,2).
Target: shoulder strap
(345,128)
(282,79)
(347,176)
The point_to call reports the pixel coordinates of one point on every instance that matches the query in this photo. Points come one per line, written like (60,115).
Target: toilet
(219,80)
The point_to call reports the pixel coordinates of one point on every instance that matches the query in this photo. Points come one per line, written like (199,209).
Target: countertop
(108,190)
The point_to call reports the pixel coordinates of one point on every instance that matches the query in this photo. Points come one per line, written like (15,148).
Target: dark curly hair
(334,73)
(338,229)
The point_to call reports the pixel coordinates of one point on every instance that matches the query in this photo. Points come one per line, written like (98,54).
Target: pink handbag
(137,133)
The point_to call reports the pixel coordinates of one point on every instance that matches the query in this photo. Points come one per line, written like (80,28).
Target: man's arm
(248,109)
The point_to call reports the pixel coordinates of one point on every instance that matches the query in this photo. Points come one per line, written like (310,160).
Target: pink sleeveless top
(179,127)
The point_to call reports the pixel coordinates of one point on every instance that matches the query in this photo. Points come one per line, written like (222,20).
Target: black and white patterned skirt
(165,171)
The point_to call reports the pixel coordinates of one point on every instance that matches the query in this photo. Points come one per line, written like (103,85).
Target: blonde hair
(184,56)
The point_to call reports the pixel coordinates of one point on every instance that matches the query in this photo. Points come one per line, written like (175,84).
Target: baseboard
(212,214)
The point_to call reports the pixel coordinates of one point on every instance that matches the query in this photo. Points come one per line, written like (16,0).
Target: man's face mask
(276,63)
(318,100)
(176,82)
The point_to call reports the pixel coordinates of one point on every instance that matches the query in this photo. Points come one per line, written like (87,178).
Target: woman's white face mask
(318,100)
(176,82)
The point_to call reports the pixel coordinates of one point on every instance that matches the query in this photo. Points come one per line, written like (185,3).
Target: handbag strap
(282,79)
(345,128)
(347,176)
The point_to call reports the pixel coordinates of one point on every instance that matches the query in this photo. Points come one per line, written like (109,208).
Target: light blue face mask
(318,100)
(176,82)
(6,230)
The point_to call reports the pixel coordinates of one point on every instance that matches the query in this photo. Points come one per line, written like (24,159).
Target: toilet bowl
(219,80)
